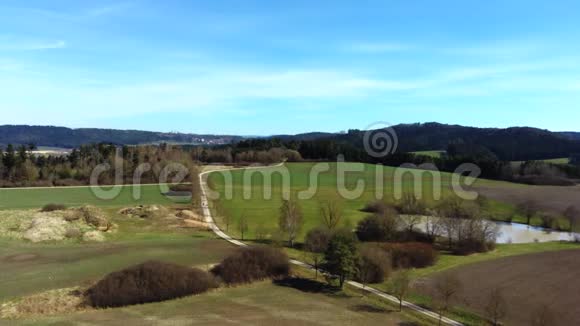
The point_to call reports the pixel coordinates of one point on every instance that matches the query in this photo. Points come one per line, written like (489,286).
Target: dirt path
(209,219)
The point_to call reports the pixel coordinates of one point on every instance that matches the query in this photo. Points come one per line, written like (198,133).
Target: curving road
(209,219)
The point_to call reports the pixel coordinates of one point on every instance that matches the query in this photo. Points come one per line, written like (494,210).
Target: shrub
(374,265)
(253,264)
(377,206)
(411,205)
(317,240)
(151,281)
(410,254)
(469,246)
(52,207)
(378,227)
(73,232)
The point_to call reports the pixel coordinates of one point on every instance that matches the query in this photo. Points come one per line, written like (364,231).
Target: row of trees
(458,152)
(20,167)
(530,209)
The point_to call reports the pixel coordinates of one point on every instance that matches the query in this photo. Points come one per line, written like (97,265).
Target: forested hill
(69,138)
(571,135)
(510,144)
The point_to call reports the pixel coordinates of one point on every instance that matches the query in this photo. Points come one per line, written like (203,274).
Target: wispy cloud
(497,49)
(15,45)
(376,47)
(109,9)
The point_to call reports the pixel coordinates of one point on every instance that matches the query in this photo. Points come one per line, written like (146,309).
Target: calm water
(521,233)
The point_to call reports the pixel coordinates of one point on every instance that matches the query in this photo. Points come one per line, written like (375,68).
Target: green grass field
(436,154)
(262,214)
(562,160)
(34,198)
(27,268)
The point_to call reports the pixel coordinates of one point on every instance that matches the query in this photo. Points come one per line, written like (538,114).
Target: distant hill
(510,144)
(306,136)
(570,135)
(69,138)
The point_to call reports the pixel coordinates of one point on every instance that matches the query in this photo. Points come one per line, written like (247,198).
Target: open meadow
(30,269)
(23,198)
(261,213)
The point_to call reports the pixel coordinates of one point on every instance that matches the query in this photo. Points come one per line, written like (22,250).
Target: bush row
(247,265)
(410,254)
(155,281)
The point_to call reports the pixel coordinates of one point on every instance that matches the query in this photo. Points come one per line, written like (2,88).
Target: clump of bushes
(151,281)
(247,265)
(52,207)
(410,254)
(377,206)
(468,246)
(411,205)
(374,265)
(379,227)
(316,240)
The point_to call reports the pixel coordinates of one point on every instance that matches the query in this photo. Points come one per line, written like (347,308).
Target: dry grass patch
(55,225)
(59,301)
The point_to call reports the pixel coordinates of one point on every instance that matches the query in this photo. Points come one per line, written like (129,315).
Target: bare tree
(331,214)
(196,191)
(243,225)
(261,232)
(571,214)
(411,205)
(316,243)
(223,213)
(453,228)
(290,221)
(433,227)
(401,284)
(543,316)
(528,208)
(410,221)
(496,307)
(547,220)
(447,288)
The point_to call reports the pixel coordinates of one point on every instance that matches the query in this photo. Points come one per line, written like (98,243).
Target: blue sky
(270,67)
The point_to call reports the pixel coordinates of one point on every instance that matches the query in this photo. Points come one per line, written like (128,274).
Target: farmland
(528,282)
